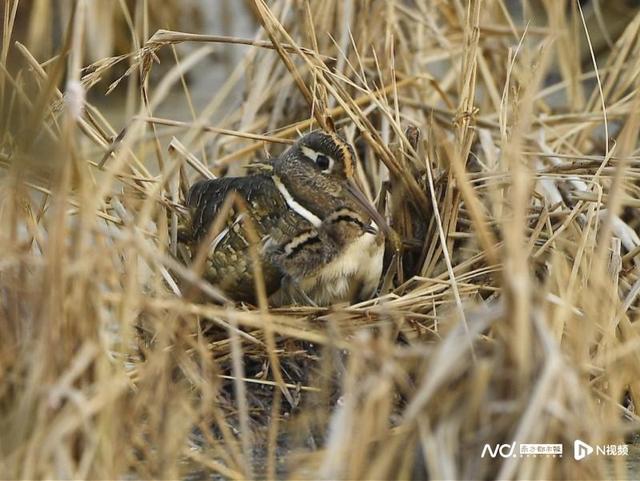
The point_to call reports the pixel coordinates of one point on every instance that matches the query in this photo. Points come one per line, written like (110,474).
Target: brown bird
(321,241)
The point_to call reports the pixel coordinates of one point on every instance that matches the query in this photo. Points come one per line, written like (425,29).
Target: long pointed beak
(356,194)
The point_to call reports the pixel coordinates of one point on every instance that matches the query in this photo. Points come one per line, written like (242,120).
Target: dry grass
(507,312)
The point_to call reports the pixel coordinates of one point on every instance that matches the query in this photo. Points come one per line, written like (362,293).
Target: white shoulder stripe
(291,202)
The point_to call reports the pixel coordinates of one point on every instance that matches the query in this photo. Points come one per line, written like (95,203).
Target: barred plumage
(307,222)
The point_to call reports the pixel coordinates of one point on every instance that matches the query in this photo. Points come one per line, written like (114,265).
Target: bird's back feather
(229,263)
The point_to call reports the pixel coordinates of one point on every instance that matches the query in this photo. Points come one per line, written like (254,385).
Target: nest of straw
(502,152)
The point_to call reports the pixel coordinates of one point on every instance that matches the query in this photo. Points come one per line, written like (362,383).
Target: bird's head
(318,172)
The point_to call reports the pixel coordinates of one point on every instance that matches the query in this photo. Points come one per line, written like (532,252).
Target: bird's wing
(229,263)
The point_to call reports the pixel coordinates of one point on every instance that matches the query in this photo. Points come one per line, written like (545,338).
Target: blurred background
(119,27)
(510,312)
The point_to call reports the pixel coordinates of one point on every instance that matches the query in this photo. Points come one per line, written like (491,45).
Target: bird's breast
(352,275)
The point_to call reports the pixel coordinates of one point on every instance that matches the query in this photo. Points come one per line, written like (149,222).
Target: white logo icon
(581,450)
(504,450)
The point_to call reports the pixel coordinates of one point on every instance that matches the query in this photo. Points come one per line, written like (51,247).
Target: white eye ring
(313,155)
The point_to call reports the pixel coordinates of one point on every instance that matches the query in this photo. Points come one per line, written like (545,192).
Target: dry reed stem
(508,315)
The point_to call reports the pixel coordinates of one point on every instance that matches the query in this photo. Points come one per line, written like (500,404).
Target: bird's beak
(356,194)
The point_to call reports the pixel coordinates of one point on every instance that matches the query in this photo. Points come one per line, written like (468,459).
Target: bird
(320,241)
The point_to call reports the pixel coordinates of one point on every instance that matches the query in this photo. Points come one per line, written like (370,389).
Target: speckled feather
(229,265)
(317,239)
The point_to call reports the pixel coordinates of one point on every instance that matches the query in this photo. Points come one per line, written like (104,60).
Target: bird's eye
(323,162)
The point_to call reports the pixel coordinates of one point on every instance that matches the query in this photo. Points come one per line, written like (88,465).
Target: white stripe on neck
(291,202)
